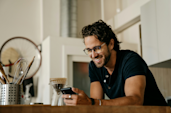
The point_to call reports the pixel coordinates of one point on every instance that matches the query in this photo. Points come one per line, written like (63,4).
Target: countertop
(82,109)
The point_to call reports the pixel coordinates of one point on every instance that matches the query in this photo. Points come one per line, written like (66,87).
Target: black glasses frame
(94,49)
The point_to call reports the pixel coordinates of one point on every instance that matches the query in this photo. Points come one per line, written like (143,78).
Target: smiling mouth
(98,59)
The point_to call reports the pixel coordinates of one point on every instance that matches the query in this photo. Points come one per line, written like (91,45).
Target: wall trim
(128,16)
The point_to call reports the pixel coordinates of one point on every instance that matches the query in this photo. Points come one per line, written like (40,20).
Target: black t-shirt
(128,64)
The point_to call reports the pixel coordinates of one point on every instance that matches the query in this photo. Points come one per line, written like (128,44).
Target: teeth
(96,59)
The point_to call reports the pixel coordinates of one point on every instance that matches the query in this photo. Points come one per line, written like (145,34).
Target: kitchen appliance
(57,84)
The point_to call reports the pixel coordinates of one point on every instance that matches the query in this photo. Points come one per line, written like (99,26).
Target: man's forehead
(91,39)
(90,42)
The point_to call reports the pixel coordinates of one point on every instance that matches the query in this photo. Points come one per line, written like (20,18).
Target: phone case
(67,91)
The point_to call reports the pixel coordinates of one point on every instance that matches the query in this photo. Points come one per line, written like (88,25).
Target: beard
(105,61)
(107,57)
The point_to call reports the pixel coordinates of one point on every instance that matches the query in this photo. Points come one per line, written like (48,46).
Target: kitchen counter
(82,109)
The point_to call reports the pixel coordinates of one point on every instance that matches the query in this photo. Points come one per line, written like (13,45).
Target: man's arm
(134,91)
(96,90)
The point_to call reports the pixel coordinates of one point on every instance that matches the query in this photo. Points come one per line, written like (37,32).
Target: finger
(73,96)
(70,101)
(76,90)
(65,95)
(69,95)
(70,104)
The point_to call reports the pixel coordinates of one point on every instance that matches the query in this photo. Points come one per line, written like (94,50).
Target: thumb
(76,90)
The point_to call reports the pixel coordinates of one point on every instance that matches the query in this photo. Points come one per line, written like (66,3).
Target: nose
(93,54)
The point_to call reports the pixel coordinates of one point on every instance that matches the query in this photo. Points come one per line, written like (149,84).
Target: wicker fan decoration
(9,54)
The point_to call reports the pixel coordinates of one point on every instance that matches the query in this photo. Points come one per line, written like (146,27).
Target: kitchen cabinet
(156,32)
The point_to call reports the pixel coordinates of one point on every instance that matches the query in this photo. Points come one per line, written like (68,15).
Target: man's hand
(80,99)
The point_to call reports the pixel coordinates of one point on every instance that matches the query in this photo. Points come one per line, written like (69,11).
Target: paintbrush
(27,70)
(3,73)
(20,78)
(2,81)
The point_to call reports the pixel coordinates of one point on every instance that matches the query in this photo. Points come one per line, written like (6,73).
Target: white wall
(126,3)
(51,18)
(34,19)
(88,12)
(20,18)
(109,9)
(131,35)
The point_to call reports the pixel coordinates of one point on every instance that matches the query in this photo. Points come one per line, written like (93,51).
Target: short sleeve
(92,72)
(134,65)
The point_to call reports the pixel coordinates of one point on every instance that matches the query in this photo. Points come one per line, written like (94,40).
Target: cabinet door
(149,33)
(163,9)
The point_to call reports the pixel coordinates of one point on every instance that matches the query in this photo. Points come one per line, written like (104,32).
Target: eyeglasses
(96,49)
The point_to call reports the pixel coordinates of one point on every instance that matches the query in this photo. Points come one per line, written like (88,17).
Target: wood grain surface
(82,109)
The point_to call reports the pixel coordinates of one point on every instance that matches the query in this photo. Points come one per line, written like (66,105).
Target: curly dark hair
(102,31)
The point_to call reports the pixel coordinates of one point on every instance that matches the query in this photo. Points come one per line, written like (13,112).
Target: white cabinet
(156,32)
(163,13)
(149,33)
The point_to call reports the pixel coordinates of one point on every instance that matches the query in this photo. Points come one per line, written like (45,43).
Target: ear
(111,44)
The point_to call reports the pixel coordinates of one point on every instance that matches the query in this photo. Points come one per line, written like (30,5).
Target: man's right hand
(80,99)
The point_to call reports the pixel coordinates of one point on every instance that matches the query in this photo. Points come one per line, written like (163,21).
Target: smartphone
(67,90)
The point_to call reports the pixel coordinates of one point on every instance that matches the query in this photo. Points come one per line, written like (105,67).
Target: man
(122,74)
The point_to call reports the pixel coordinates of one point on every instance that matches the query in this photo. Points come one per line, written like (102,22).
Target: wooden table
(82,109)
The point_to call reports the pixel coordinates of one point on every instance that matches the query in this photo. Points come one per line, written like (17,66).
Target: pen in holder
(10,94)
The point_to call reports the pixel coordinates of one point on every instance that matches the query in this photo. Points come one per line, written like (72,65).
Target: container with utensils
(10,94)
